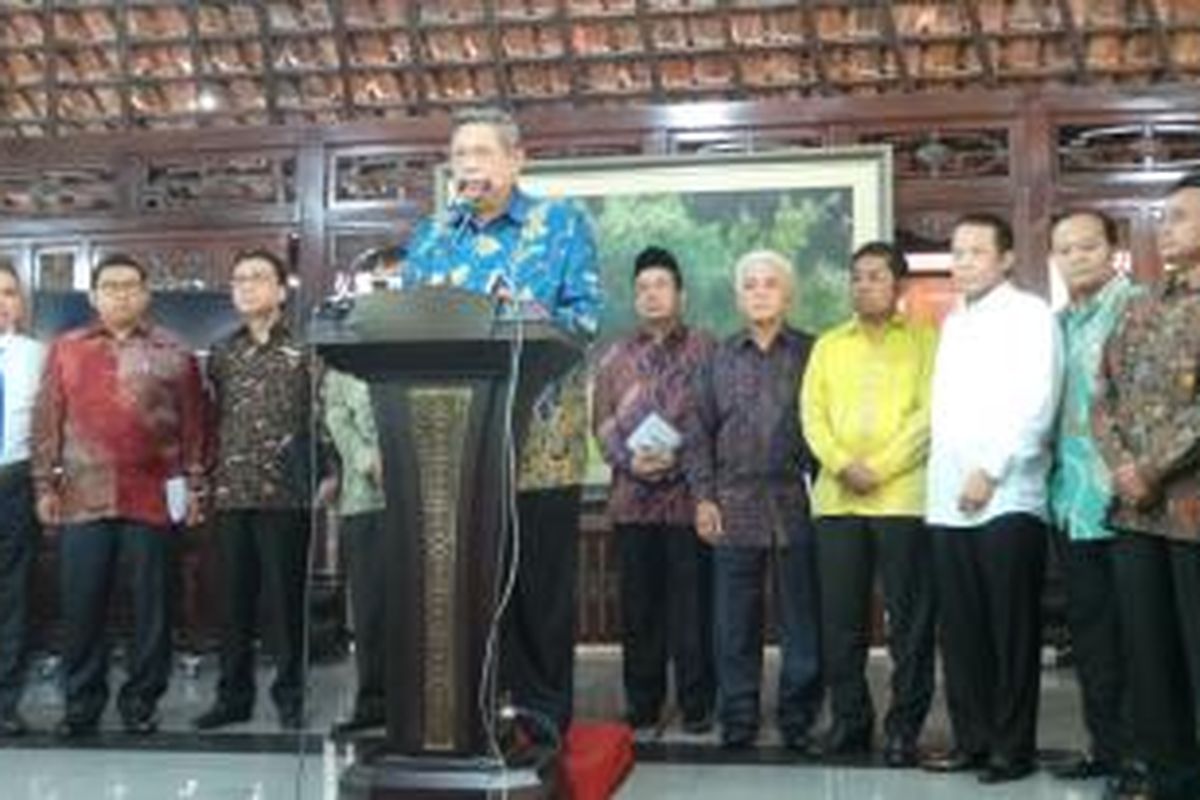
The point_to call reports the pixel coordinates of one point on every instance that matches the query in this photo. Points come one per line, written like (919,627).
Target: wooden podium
(441,364)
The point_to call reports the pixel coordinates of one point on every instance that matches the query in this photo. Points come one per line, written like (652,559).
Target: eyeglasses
(251,279)
(119,287)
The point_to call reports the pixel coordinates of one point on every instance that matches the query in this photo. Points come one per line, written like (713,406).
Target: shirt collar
(519,206)
(517,210)
(1077,312)
(279,332)
(995,296)
(786,335)
(676,335)
(96,329)
(896,320)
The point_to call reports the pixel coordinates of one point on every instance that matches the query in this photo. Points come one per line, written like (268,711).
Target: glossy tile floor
(255,761)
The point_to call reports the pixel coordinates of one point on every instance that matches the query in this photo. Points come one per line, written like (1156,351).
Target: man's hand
(327,491)
(859,478)
(708,521)
(652,464)
(976,492)
(195,509)
(49,509)
(1130,484)
(375,470)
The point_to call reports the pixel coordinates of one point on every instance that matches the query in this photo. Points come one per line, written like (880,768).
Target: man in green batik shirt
(1082,250)
(350,420)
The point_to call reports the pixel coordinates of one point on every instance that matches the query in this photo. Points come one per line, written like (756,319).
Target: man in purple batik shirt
(640,404)
(747,464)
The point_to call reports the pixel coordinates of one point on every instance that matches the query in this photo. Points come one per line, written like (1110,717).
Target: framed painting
(814,206)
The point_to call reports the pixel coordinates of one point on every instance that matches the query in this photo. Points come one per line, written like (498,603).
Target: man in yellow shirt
(865,411)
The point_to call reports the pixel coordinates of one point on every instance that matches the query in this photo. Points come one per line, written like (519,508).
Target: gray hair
(772,258)
(495,118)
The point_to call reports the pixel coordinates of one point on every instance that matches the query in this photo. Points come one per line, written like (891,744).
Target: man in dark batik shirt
(121,412)
(666,570)
(747,464)
(261,379)
(1146,419)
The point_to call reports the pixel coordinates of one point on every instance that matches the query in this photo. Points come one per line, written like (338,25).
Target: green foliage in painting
(709,231)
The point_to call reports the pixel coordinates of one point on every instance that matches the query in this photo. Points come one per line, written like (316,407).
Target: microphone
(463,202)
(499,287)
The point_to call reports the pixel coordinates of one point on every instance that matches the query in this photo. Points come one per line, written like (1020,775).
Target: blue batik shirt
(544,253)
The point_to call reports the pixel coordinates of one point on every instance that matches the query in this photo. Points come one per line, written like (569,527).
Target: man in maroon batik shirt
(643,384)
(119,426)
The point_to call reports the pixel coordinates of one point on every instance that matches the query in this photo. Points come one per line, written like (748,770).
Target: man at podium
(538,257)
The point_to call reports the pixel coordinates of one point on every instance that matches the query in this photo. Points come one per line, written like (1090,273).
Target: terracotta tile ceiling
(72,65)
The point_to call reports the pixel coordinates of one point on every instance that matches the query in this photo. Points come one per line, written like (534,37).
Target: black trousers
(268,550)
(89,554)
(1093,619)
(362,535)
(1158,586)
(740,576)
(18,546)
(539,625)
(666,612)
(848,549)
(989,583)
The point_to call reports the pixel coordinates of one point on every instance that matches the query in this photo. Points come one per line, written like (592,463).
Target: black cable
(489,681)
(309,559)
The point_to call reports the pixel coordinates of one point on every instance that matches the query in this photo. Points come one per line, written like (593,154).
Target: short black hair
(654,257)
(1188,181)
(113,260)
(894,257)
(262,254)
(1112,233)
(985,219)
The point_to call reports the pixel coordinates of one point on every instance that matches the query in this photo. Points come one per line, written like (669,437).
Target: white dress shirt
(21,359)
(995,392)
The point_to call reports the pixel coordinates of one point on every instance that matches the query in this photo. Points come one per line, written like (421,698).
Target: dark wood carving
(184,200)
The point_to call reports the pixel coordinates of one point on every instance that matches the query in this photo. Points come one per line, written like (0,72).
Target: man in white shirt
(20,371)
(995,390)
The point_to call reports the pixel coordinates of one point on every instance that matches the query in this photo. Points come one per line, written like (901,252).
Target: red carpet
(598,757)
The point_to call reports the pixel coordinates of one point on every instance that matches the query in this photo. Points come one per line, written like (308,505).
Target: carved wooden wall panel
(322,195)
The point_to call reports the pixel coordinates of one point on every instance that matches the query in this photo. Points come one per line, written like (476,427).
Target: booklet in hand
(656,434)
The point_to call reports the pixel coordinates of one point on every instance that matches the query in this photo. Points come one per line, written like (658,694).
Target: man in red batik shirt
(119,443)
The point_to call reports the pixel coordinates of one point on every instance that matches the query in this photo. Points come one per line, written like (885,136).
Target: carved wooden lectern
(445,370)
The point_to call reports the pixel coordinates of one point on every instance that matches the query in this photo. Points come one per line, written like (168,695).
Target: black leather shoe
(1085,768)
(738,738)
(141,722)
(12,724)
(220,715)
(801,742)
(1003,770)
(359,721)
(955,761)
(840,740)
(1131,782)
(900,753)
(76,727)
(697,724)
